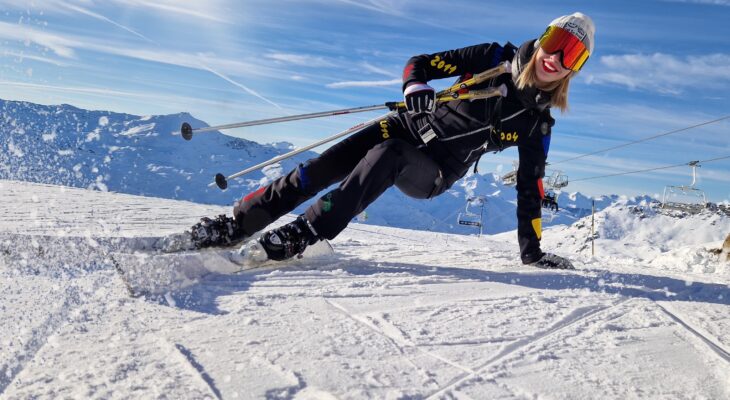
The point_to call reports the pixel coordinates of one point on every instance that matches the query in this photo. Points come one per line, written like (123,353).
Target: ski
(152,272)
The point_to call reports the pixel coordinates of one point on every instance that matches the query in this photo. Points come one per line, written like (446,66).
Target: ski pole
(187,131)
(222,181)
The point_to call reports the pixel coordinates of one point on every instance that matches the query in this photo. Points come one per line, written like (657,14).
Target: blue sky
(658,66)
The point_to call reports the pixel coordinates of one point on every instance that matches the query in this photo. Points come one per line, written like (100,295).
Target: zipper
(484,128)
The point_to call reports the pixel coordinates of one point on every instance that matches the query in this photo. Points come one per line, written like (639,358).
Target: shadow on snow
(202,297)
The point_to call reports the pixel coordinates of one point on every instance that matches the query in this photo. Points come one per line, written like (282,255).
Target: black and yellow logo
(439,63)
(509,137)
(384,129)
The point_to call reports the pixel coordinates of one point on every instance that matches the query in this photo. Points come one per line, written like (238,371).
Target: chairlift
(510,178)
(556,180)
(550,207)
(469,217)
(686,197)
(550,201)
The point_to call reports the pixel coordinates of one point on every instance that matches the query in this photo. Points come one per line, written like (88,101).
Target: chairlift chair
(550,201)
(510,178)
(556,180)
(550,207)
(470,217)
(685,192)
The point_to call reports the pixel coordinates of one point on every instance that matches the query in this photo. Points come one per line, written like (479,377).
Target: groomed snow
(396,314)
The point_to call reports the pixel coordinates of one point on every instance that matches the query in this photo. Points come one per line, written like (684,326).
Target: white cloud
(663,73)
(209,10)
(60,45)
(378,70)
(64,45)
(340,85)
(138,98)
(389,7)
(20,56)
(407,11)
(77,89)
(303,60)
(708,2)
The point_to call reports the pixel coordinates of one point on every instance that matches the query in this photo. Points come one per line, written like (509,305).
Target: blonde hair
(557,89)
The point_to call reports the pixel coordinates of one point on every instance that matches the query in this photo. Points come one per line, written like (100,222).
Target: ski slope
(395,314)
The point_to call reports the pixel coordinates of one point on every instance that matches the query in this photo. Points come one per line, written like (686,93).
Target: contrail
(103,18)
(339,85)
(206,67)
(250,91)
(132,31)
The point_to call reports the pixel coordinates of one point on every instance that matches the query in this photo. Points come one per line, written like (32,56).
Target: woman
(425,150)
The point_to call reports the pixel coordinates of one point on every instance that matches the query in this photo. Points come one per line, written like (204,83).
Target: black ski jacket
(467,129)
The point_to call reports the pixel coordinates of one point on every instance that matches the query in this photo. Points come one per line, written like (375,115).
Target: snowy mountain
(146,156)
(395,314)
(125,153)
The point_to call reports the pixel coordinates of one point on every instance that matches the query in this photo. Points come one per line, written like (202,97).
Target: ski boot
(552,261)
(221,231)
(288,240)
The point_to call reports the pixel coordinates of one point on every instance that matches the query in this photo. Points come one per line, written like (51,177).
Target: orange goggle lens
(574,52)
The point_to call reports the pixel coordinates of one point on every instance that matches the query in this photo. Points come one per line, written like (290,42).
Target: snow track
(186,357)
(395,336)
(39,337)
(575,317)
(696,333)
(397,314)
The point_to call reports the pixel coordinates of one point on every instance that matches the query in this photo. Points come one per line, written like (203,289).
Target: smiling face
(548,67)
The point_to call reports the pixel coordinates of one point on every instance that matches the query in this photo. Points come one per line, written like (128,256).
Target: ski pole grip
(394,105)
(186,131)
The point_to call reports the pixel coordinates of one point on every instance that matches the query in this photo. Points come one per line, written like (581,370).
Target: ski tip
(221,181)
(186,131)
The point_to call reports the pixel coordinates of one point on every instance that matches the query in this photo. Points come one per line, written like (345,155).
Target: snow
(396,314)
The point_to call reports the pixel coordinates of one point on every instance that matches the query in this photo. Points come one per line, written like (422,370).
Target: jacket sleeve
(533,153)
(472,59)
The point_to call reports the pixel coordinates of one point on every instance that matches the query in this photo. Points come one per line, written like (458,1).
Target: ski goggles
(556,39)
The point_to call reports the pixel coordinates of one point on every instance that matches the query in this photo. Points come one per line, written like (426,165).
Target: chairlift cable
(648,170)
(643,140)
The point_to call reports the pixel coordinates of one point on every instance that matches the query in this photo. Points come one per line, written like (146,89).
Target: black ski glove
(419,98)
(551,261)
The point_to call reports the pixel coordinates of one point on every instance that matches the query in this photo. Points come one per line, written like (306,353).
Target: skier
(428,147)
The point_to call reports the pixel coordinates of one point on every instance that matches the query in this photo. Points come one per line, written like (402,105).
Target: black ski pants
(366,163)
